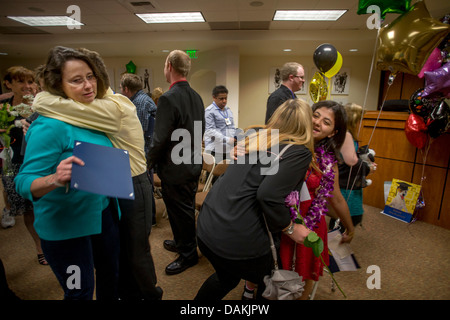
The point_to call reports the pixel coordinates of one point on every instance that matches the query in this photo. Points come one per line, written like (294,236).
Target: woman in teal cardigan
(78,230)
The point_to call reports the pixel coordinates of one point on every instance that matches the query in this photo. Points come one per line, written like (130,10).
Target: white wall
(254,84)
(246,77)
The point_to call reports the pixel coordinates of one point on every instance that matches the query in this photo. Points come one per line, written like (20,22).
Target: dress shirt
(145,108)
(217,133)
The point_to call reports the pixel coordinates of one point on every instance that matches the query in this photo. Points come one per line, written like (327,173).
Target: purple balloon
(433,62)
(438,81)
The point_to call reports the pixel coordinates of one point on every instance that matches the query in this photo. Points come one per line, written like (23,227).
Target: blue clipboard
(106,171)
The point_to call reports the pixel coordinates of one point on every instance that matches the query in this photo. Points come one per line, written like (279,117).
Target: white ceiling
(112,28)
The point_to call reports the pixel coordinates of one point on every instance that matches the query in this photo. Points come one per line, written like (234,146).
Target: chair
(157,185)
(208,166)
(218,170)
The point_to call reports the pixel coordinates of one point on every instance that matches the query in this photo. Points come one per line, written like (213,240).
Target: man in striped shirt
(131,87)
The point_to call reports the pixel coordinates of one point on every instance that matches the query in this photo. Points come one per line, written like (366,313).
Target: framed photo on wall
(340,83)
(275,81)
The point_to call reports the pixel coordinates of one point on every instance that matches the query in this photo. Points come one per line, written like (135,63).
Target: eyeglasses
(301,77)
(79,81)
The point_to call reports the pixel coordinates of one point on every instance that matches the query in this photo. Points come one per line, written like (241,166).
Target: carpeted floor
(414,263)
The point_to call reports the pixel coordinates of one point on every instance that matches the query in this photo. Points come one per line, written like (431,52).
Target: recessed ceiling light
(256,3)
(172,17)
(308,15)
(287,50)
(46,21)
(353,50)
(35,9)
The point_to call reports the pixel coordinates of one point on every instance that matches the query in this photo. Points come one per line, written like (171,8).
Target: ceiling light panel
(46,21)
(308,15)
(173,17)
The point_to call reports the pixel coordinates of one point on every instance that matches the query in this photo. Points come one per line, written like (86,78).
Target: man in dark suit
(180,117)
(292,76)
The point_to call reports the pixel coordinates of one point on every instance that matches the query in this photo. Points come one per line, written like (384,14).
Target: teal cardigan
(59,215)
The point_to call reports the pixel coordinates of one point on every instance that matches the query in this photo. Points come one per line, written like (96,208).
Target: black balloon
(325,57)
(439,120)
(422,106)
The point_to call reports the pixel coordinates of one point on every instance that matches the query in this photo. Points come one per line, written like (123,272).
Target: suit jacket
(276,99)
(180,114)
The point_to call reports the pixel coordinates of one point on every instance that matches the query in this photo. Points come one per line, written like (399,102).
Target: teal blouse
(59,215)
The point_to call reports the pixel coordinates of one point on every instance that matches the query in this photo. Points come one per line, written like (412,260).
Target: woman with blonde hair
(156,93)
(231,227)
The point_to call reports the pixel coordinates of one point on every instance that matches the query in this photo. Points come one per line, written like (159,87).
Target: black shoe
(160,293)
(170,245)
(181,264)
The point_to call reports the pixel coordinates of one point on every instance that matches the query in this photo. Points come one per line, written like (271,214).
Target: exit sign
(192,54)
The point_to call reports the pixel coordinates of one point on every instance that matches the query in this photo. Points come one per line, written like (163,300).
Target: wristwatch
(289,230)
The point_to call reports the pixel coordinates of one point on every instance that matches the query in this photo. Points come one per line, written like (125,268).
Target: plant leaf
(317,248)
(314,242)
(312,237)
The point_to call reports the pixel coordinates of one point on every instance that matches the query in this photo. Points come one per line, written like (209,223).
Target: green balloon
(131,67)
(386,6)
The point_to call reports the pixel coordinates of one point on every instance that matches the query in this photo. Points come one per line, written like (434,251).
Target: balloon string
(329,88)
(370,77)
(390,82)
(424,153)
(365,101)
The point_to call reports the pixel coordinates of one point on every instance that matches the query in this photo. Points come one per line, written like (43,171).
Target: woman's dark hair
(59,55)
(334,143)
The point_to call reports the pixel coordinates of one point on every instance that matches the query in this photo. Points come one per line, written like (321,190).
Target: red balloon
(416,131)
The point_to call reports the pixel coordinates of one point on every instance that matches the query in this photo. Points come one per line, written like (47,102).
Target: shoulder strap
(283,151)
(272,245)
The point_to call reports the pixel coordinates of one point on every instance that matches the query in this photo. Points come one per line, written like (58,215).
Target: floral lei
(318,208)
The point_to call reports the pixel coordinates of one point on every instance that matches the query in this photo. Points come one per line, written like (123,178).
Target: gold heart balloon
(405,44)
(318,89)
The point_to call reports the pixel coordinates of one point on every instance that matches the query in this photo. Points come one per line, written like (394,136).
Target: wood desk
(397,158)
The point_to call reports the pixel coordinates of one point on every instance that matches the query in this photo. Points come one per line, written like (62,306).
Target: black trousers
(230,272)
(6,294)
(180,204)
(137,277)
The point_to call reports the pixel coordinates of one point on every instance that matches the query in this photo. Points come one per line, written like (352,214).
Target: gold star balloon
(405,44)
